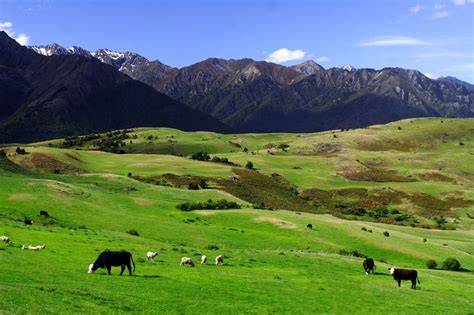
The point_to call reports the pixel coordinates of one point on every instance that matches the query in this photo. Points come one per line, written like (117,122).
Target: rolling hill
(94,197)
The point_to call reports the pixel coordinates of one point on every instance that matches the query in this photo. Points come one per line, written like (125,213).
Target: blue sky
(435,37)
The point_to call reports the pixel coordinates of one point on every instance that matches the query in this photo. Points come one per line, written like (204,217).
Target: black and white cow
(113,259)
(368,265)
(405,274)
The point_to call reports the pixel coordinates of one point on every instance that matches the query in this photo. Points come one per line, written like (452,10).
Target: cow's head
(392,270)
(92,268)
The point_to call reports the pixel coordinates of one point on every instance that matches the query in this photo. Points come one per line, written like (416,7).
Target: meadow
(272,261)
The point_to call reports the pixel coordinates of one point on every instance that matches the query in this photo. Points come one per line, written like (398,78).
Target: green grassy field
(273,263)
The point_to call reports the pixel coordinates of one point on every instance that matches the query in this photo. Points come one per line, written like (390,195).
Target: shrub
(386,234)
(133,232)
(364,229)
(431,264)
(193,186)
(424,240)
(354,253)
(20,150)
(451,264)
(2,153)
(440,220)
(129,174)
(203,184)
(201,156)
(212,247)
(209,205)
(249,165)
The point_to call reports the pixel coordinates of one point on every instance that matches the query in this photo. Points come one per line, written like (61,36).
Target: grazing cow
(219,260)
(115,259)
(5,239)
(405,274)
(203,259)
(44,213)
(28,222)
(37,247)
(368,265)
(187,261)
(309,226)
(151,255)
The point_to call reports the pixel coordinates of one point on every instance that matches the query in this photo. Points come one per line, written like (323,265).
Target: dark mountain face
(48,97)
(258,96)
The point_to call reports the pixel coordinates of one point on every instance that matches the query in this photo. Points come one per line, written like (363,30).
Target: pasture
(272,261)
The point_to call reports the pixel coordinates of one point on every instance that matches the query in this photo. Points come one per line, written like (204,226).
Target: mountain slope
(47,97)
(257,96)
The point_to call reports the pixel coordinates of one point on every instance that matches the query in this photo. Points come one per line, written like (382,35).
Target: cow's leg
(129,267)
(123,268)
(413,284)
(399,282)
(109,269)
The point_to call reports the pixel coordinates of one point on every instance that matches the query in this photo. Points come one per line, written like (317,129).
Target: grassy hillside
(273,263)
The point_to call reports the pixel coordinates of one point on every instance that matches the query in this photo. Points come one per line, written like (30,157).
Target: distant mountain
(454,80)
(257,96)
(61,95)
(308,67)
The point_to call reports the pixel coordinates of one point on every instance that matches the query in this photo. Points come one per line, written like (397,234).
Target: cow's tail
(131,258)
(418,279)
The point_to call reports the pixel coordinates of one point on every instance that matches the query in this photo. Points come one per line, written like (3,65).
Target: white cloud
(22,39)
(462,2)
(440,14)
(284,55)
(322,59)
(439,6)
(416,9)
(431,76)
(394,41)
(445,54)
(461,68)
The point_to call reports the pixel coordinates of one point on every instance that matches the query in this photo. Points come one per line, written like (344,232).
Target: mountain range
(53,91)
(258,96)
(67,94)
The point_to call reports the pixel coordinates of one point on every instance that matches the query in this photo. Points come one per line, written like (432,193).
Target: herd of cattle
(123,259)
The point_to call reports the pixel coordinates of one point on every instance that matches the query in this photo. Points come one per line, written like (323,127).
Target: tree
(451,264)
(249,165)
(431,264)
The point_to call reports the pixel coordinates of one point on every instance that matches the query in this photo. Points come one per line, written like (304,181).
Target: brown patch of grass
(388,145)
(21,197)
(375,174)
(435,177)
(43,163)
(277,222)
(262,190)
(142,202)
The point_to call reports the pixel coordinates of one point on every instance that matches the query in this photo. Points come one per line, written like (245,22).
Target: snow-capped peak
(349,68)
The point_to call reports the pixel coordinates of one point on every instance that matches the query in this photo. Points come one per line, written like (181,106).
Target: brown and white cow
(405,274)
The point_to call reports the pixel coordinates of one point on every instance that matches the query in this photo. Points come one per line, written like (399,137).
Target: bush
(364,229)
(133,232)
(424,240)
(2,153)
(20,151)
(431,264)
(451,264)
(209,205)
(212,247)
(386,234)
(249,165)
(203,184)
(354,253)
(201,156)
(193,186)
